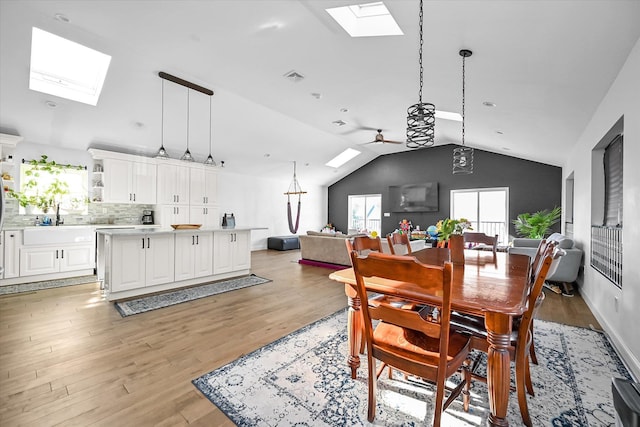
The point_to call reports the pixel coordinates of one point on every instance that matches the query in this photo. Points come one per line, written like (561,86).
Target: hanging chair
(294,188)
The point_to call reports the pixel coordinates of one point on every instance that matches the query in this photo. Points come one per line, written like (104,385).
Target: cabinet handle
(193,240)
(62,252)
(197,240)
(134,197)
(148,242)
(143,243)
(56,254)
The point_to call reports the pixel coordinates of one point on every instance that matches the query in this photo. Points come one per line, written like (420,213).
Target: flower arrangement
(447,227)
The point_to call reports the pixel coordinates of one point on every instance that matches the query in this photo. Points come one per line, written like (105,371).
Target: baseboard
(629,360)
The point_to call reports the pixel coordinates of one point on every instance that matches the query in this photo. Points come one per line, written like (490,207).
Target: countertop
(164,230)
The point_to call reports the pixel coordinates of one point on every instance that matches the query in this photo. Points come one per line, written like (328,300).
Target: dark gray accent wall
(532,186)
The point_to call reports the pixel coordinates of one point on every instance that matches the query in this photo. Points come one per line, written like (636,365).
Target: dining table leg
(498,366)
(354,330)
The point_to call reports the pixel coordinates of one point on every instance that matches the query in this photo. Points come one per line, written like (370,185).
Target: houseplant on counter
(536,225)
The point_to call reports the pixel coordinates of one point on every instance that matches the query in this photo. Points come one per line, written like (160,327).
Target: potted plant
(536,225)
(448,227)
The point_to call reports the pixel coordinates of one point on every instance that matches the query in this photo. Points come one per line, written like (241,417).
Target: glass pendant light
(210,161)
(187,157)
(162,153)
(463,156)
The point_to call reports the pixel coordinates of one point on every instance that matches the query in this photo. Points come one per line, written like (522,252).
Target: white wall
(261,202)
(622,323)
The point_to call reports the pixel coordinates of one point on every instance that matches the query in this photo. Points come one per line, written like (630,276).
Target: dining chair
(535,265)
(399,239)
(522,336)
(364,244)
(478,240)
(415,343)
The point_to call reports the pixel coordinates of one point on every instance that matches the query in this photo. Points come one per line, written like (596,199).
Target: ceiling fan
(380,138)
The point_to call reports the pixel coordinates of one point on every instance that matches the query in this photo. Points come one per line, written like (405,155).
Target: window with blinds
(613,183)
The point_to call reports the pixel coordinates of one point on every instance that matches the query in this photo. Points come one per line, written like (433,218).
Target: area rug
(47,284)
(154,302)
(302,380)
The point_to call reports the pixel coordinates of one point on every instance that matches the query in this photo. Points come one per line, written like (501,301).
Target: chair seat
(405,343)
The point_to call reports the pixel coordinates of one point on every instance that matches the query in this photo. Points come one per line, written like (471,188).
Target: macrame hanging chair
(294,188)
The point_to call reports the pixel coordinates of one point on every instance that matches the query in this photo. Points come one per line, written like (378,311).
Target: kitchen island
(137,262)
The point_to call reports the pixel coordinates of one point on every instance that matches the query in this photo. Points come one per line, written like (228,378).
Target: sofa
(324,248)
(569,265)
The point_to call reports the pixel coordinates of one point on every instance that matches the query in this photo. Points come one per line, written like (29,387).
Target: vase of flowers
(450,235)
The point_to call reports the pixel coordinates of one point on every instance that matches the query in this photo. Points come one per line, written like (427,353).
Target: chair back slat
(398,239)
(364,244)
(476,238)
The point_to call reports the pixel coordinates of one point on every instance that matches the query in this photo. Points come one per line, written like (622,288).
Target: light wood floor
(68,358)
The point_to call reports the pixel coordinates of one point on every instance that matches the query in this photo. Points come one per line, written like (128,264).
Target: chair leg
(437,418)
(466,377)
(373,380)
(527,378)
(521,372)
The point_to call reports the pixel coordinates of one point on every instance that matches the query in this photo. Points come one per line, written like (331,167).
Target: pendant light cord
(209,126)
(463,97)
(188,119)
(420,52)
(162,117)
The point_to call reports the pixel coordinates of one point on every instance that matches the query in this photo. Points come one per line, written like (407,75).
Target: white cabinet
(12,240)
(203,186)
(139,260)
(7,163)
(128,181)
(172,214)
(173,184)
(231,251)
(49,259)
(208,216)
(194,255)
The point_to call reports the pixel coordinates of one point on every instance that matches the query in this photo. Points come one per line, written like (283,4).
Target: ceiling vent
(294,76)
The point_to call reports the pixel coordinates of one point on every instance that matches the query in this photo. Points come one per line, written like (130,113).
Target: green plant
(536,225)
(446,227)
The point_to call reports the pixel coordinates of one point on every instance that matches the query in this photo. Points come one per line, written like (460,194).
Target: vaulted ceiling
(546,66)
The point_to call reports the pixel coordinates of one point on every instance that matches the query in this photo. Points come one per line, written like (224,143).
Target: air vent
(294,76)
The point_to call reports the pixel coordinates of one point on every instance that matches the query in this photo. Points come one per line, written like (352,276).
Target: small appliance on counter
(147,217)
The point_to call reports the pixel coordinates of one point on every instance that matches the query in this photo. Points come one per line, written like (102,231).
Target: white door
(127,263)
(160,261)
(203,256)
(211,186)
(144,183)
(39,260)
(117,181)
(12,242)
(79,257)
(185,249)
(241,250)
(222,257)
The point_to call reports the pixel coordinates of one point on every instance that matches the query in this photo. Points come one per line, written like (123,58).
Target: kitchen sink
(51,235)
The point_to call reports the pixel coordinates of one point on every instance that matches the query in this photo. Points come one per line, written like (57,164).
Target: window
(44,185)
(365,213)
(487,210)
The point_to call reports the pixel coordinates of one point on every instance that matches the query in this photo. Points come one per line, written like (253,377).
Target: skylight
(366,20)
(342,158)
(66,69)
(447,115)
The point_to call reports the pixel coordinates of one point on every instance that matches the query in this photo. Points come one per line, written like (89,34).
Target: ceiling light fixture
(210,161)
(463,156)
(187,157)
(162,153)
(339,122)
(421,116)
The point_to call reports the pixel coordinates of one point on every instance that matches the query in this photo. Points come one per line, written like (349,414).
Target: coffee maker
(147,217)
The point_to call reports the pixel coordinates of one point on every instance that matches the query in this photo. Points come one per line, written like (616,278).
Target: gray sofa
(569,264)
(325,247)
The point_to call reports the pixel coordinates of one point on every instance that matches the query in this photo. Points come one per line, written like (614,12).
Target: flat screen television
(414,197)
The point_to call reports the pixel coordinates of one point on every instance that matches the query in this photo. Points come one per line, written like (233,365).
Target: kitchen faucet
(59,220)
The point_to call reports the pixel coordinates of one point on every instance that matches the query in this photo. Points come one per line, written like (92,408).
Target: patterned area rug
(302,380)
(37,286)
(153,302)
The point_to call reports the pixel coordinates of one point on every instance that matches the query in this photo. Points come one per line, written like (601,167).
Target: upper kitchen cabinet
(173,183)
(7,170)
(204,185)
(127,178)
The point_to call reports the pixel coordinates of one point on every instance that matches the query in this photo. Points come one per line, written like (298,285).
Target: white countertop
(164,230)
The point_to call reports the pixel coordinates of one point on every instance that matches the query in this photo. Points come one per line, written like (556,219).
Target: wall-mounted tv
(414,197)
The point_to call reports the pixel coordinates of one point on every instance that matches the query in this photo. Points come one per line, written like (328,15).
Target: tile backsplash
(99,213)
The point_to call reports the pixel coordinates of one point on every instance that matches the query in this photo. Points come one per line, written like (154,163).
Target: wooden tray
(186,226)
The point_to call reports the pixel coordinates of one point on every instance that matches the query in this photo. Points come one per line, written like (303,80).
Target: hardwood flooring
(68,358)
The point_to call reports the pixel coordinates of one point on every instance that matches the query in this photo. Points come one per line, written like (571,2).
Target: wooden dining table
(488,284)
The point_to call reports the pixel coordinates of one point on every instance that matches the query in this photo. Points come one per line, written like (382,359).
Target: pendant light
(162,153)
(421,117)
(463,156)
(210,161)
(187,157)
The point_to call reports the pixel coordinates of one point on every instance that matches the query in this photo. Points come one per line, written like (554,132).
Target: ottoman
(283,243)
